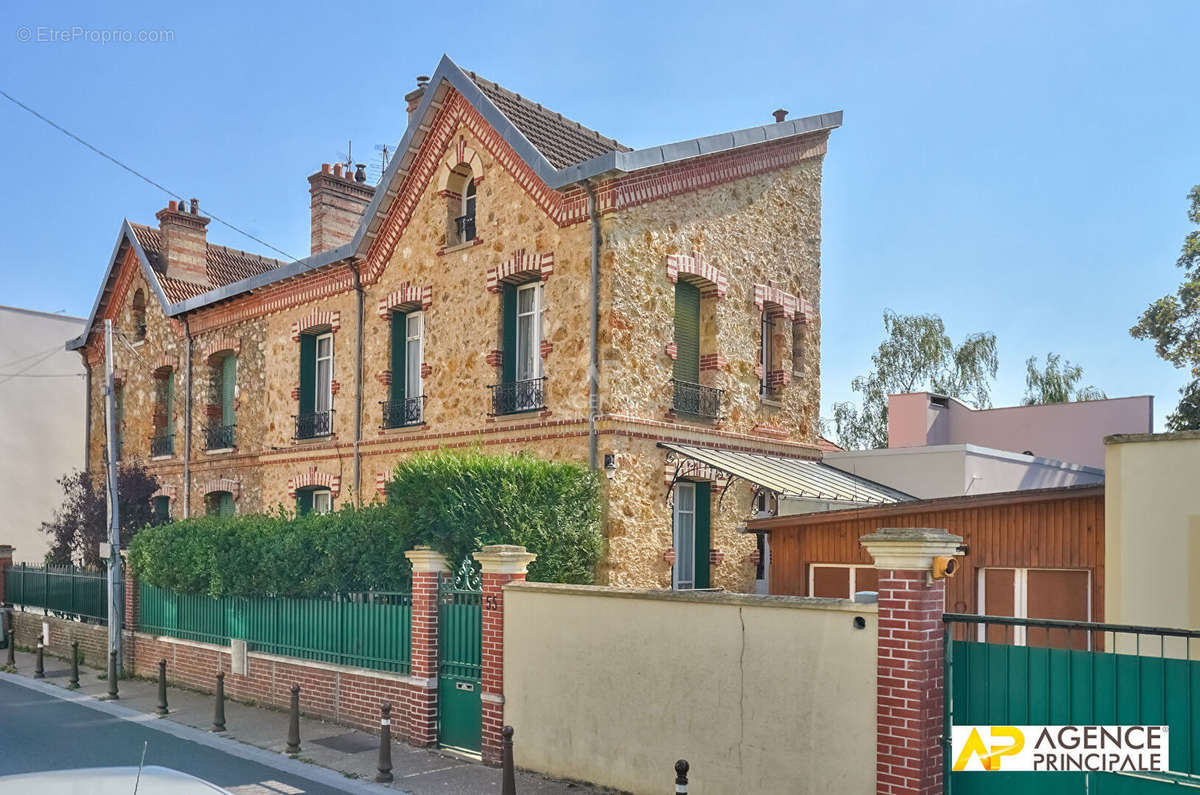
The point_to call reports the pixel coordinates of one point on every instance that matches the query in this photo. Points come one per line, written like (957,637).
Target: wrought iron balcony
(162,444)
(514,397)
(403,412)
(314,424)
(219,437)
(697,400)
(464,225)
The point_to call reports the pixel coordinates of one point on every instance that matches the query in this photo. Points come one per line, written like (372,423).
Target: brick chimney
(338,201)
(413,98)
(184,241)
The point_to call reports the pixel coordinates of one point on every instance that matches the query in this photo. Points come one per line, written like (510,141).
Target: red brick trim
(459,155)
(423,701)
(167,490)
(766,429)
(494,358)
(694,268)
(334,387)
(716,557)
(545,348)
(492,671)
(521,264)
(313,478)
(406,298)
(220,344)
(672,350)
(775,302)
(381,481)
(777,379)
(668,555)
(426,369)
(222,484)
(166,361)
(384,377)
(316,319)
(713,362)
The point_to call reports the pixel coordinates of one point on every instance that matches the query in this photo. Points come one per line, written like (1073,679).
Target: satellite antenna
(348,156)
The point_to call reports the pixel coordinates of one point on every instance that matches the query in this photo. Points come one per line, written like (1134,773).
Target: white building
(42,402)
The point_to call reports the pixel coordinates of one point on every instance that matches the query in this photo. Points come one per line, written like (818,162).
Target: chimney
(184,242)
(780,115)
(338,202)
(413,98)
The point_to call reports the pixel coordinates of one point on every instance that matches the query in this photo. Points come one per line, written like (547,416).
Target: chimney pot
(324,168)
(337,170)
(195,206)
(172,205)
(422,81)
(780,115)
(360,172)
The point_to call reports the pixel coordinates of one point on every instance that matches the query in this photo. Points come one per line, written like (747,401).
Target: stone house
(516,281)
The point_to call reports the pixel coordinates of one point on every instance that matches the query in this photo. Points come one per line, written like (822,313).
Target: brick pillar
(427,568)
(6,560)
(908,694)
(501,564)
(130,614)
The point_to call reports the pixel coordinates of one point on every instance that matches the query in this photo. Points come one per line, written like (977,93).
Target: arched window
(314,500)
(461,197)
(218,503)
(139,315)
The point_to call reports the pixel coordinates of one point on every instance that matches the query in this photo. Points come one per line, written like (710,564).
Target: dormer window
(461,197)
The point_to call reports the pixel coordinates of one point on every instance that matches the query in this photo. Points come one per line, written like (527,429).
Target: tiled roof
(224,265)
(563,142)
(828,446)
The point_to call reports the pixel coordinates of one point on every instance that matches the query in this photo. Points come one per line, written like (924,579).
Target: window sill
(519,416)
(460,246)
(773,402)
(162,457)
(315,439)
(221,451)
(403,429)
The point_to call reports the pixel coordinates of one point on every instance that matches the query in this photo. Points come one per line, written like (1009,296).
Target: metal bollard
(509,781)
(74,683)
(162,689)
(39,667)
(12,649)
(219,706)
(385,744)
(681,771)
(293,739)
(112,675)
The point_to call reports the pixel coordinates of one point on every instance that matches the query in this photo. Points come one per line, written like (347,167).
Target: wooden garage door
(1060,594)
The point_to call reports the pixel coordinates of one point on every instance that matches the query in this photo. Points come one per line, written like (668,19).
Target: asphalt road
(39,731)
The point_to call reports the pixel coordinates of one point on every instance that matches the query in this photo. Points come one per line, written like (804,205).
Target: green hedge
(454,502)
(458,502)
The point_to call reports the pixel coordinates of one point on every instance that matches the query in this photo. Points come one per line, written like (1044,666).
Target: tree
(917,354)
(1056,383)
(81,524)
(1173,322)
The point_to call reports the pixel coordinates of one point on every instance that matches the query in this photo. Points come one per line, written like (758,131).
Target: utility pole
(115,603)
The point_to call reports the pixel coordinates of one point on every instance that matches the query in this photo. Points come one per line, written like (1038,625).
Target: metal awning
(792,477)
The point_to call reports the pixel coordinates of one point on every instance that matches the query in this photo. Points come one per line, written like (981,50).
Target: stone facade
(742,224)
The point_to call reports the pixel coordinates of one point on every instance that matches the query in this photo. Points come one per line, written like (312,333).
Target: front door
(460,640)
(691,534)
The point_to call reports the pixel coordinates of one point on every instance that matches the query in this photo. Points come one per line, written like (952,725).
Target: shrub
(81,524)
(458,502)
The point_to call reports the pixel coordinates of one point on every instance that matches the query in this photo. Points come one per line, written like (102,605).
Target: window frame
(812,575)
(678,583)
(534,316)
(320,496)
(318,392)
(1021,596)
(409,339)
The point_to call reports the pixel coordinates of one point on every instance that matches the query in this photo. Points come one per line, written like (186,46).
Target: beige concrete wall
(41,422)
(1152,530)
(761,694)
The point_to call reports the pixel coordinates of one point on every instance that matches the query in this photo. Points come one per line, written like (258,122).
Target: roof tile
(224,265)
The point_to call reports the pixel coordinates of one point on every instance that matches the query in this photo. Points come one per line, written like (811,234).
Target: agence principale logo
(1061,748)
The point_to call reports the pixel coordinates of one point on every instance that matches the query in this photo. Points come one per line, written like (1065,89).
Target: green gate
(1014,672)
(460,638)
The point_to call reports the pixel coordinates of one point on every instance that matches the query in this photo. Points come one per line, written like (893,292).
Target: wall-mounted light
(610,465)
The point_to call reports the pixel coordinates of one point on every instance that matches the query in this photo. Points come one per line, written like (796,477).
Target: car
(149,780)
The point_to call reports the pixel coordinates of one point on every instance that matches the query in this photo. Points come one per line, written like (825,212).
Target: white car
(149,780)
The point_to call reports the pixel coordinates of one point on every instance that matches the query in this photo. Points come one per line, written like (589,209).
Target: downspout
(358,382)
(87,410)
(187,422)
(594,363)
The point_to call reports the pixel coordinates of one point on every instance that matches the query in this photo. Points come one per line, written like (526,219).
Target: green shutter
(226,507)
(687,332)
(508,369)
(304,502)
(228,380)
(703,532)
(399,344)
(162,509)
(308,373)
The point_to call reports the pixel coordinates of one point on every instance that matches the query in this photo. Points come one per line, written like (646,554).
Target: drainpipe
(594,363)
(187,422)
(87,409)
(358,381)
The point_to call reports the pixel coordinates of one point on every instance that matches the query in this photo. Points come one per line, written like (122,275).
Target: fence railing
(219,437)
(403,412)
(696,399)
(313,424)
(66,591)
(512,397)
(367,630)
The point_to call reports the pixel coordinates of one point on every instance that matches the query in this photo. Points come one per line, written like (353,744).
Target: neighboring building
(453,305)
(1152,519)
(42,393)
(1038,553)
(954,470)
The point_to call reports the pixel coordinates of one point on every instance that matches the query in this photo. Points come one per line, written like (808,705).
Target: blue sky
(1016,167)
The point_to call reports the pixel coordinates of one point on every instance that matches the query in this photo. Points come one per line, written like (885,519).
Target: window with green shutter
(687,332)
(508,363)
(218,503)
(162,509)
(399,325)
(304,502)
(308,373)
(703,533)
(228,386)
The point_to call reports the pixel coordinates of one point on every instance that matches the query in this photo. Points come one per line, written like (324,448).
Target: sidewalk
(350,752)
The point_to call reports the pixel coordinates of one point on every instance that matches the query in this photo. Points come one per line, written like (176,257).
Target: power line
(8,377)
(135,172)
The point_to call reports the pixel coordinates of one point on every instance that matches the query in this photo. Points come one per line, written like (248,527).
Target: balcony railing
(514,397)
(696,399)
(219,437)
(162,444)
(314,424)
(464,225)
(403,412)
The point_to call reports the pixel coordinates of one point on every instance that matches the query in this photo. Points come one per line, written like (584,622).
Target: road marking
(279,786)
(427,772)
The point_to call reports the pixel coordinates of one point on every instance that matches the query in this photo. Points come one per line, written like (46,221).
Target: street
(44,732)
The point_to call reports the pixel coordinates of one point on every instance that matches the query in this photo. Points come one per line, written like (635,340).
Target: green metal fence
(368,630)
(66,591)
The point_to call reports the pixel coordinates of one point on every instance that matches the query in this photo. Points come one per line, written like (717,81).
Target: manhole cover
(351,743)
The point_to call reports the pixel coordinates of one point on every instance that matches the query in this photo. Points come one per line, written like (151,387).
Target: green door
(460,641)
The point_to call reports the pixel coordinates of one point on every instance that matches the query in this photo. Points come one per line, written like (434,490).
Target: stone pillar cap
(6,549)
(425,560)
(912,548)
(504,559)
